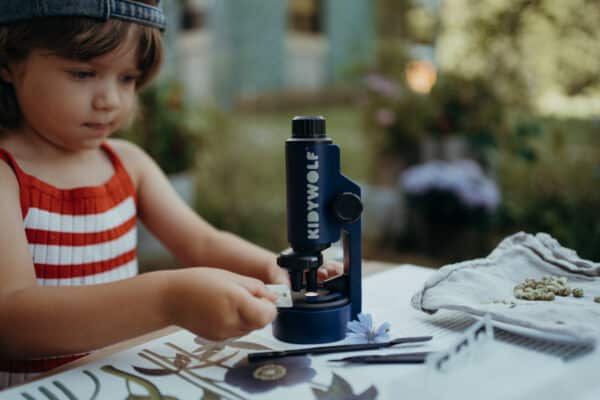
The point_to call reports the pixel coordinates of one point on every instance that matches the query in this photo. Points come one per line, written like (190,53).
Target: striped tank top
(79,236)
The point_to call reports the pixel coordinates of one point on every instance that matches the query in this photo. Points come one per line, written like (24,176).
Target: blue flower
(362,331)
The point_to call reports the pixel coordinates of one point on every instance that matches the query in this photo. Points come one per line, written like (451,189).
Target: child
(70,196)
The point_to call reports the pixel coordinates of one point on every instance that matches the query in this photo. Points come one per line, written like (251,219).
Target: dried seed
(577,292)
(563,280)
(552,288)
(546,288)
(549,297)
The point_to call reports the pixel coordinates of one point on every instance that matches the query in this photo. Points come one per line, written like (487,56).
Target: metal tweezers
(267,355)
(396,358)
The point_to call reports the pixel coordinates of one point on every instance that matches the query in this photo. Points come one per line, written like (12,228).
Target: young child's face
(72,104)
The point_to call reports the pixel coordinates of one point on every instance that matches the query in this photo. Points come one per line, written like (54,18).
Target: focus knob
(297,263)
(308,127)
(347,207)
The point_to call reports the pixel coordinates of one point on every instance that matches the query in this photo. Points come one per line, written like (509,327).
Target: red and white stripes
(79,236)
(83,249)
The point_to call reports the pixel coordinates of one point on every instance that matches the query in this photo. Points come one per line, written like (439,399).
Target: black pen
(402,358)
(267,355)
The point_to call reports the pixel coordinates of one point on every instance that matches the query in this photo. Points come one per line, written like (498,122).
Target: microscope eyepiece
(308,127)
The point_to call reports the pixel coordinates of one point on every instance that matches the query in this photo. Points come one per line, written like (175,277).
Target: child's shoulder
(128,151)
(133,157)
(8,179)
(125,148)
(7,175)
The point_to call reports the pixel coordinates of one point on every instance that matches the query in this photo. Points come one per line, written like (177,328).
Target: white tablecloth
(511,367)
(515,366)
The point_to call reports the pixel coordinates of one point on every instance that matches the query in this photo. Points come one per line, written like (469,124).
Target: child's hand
(277,275)
(280,275)
(329,270)
(218,304)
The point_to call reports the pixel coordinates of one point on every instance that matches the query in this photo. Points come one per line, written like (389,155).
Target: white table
(386,296)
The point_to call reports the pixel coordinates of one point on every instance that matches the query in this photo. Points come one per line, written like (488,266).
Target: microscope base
(311,326)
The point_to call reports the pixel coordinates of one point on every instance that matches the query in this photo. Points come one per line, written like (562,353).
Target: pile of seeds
(545,289)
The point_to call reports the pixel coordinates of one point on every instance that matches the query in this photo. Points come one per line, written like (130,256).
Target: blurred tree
(404,29)
(169,129)
(549,171)
(538,53)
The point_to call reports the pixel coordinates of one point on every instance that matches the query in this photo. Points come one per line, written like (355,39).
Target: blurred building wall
(246,48)
(351,34)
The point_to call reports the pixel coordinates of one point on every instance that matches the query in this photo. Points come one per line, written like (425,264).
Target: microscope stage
(322,298)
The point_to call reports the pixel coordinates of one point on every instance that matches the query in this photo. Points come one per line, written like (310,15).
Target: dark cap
(308,127)
(22,10)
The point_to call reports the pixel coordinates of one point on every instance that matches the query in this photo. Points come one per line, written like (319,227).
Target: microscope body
(322,207)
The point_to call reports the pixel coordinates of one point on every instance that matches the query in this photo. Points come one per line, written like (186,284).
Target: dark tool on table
(267,355)
(401,358)
(322,205)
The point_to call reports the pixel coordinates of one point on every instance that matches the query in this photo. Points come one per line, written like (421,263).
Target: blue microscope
(322,206)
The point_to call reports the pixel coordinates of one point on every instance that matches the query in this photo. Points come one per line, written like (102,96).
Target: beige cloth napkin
(484,285)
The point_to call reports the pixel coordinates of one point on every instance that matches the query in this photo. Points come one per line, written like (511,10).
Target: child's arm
(189,237)
(37,321)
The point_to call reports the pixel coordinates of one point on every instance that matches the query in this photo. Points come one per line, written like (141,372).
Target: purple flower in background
(362,331)
(383,86)
(385,117)
(463,178)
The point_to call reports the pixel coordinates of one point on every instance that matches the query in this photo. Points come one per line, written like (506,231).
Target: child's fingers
(257,312)
(247,282)
(267,294)
(334,268)
(257,288)
(322,273)
(280,276)
(330,270)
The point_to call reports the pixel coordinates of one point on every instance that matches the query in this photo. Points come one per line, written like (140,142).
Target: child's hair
(78,38)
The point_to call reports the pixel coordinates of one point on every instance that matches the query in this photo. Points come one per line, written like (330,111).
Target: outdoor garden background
(463,120)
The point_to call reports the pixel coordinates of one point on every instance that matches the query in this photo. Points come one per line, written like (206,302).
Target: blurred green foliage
(459,106)
(241,170)
(497,60)
(548,168)
(512,75)
(549,172)
(170,130)
(238,161)
(542,54)
(240,178)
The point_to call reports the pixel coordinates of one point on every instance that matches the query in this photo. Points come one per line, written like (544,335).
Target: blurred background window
(306,16)
(194,14)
